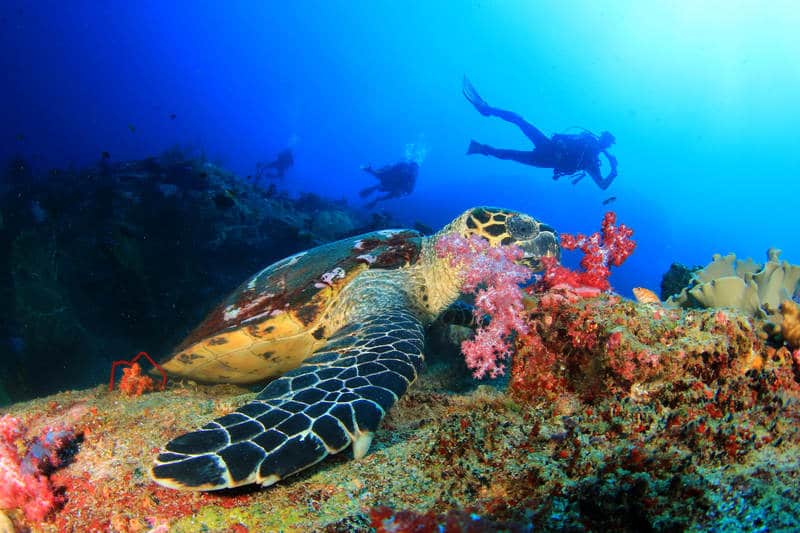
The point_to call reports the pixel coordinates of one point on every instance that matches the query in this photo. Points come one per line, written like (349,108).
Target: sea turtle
(342,325)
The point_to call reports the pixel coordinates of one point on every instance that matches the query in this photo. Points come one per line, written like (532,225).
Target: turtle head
(502,227)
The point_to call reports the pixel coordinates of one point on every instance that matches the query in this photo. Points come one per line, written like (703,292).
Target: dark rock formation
(96,265)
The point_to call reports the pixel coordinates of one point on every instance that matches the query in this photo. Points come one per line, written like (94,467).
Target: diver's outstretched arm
(612,173)
(369,170)
(529,130)
(612,162)
(598,178)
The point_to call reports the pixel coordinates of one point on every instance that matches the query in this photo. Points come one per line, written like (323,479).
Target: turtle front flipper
(336,398)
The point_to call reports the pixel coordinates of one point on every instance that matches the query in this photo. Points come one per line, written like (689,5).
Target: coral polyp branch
(611,246)
(132,380)
(494,275)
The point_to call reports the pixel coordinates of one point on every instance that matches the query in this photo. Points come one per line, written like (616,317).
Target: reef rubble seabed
(708,440)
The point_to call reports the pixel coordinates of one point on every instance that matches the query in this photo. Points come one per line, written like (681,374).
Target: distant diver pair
(574,155)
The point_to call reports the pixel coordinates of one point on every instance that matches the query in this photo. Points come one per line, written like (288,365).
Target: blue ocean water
(701,97)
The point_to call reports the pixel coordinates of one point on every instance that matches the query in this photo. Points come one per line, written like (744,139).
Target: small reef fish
(173,116)
(646,296)
(105,155)
(609,200)
(132,128)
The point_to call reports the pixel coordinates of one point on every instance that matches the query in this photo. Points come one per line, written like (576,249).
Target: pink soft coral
(494,275)
(23,466)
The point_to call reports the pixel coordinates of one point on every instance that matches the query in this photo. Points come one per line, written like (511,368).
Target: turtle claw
(361,444)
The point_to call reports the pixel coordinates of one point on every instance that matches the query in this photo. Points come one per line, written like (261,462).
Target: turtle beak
(533,253)
(531,261)
(530,258)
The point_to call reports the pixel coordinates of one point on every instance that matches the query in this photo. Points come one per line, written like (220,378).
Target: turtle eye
(522,227)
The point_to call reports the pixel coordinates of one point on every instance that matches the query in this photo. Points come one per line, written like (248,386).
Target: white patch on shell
(289,261)
(359,244)
(367,258)
(259,316)
(230,313)
(389,232)
(329,277)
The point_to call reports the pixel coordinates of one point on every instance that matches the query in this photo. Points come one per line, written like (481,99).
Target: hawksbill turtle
(341,329)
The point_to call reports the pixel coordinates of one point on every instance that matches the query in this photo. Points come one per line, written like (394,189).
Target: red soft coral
(610,246)
(494,275)
(23,465)
(133,383)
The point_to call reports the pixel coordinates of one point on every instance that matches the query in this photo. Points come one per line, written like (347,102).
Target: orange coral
(133,383)
(137,384)
(790,327)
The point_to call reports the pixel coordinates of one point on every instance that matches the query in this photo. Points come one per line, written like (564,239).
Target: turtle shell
(279,316)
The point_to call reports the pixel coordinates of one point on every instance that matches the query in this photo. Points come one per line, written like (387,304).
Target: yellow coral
(790,327)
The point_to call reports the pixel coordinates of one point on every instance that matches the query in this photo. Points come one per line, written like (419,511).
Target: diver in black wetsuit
(567,154)
(276,169)
(395,180)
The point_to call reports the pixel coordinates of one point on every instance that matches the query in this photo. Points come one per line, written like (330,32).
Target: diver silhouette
(567,154)
(395,180)
(276,169)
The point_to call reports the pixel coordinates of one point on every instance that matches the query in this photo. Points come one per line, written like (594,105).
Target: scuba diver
(567,154)
(276,169)
(395,180)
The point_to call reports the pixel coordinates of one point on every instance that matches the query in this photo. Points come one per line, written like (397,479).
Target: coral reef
(24,477)
(386,520)
(739,284)
(645,419)
(605,345)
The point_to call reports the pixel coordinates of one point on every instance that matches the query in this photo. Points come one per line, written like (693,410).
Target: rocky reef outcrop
(99,263)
